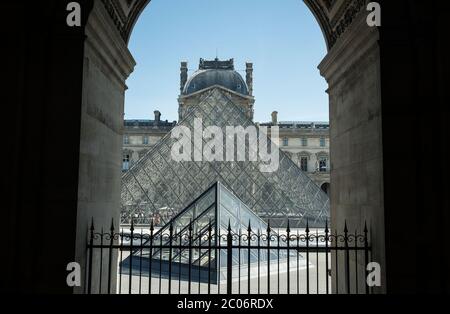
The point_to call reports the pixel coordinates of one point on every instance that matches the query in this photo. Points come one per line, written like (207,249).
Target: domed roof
(216,72)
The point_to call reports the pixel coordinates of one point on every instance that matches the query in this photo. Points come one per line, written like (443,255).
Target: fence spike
(288,230)
(345,227)
(132,225)
(249,226)
(268,227)
(112,226)
(92,224)
(229,225)
(326,227)
(366,230)
(307,226)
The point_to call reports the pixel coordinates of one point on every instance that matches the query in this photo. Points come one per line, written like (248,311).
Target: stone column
(352,70)
(183,75)
(107,64)
(249,77)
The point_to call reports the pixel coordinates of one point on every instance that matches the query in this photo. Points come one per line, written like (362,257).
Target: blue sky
(281,38)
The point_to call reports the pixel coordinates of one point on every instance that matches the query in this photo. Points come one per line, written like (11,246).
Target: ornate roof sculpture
(157,187)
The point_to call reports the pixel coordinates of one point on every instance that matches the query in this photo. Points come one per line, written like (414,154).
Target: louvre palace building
(306,143)
(156,187)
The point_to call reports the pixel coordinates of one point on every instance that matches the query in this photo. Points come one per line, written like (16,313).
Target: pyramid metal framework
(158,187)
(190,242)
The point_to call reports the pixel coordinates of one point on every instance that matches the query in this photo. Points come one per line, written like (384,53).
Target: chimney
(249,78)
(275,118)
(183,75)
(157,116)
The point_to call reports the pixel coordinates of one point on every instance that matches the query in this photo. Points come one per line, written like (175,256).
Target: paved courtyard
(278,284)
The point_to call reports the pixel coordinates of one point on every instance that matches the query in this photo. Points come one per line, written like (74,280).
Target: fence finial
(92,224)
(366,230)
(326,226)
(288,229)
(229,225)
(268,227)
(345,227)
(112,226)
(132,225)
(249,226)
(307,226)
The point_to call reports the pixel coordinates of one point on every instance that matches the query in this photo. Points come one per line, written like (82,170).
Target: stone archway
(351,69)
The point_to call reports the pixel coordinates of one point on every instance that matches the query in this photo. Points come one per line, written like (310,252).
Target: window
(304,142)
(322,142)
(285,141)
(126,163)
(323,164)
(145,140)
(304,164)
(126,140)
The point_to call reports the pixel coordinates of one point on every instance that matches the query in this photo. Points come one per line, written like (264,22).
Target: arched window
(304,163)
(326,188)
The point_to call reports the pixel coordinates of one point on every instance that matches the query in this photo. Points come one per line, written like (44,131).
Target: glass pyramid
(186,248)
(156,188)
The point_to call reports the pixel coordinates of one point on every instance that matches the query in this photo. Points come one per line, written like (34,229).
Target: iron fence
(137,260)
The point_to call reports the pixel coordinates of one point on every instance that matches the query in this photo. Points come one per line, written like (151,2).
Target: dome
(213,73)
(229,79)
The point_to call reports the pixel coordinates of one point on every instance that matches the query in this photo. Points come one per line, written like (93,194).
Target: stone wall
(351,69)
(107,64)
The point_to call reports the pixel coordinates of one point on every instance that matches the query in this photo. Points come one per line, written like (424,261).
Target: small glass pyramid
(186,248)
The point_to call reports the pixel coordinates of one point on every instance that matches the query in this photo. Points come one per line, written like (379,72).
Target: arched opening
(326,188)
(272,64)
(352,113)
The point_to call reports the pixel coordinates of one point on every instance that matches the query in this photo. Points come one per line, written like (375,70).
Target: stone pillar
(157,116)
(107,65)
(275,118)
(183,75)
(352,70)
(249,77)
